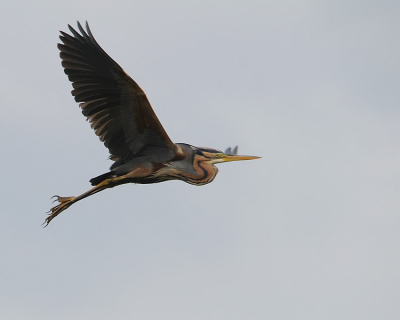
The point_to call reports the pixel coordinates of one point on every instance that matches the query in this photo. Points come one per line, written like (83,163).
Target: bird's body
(124,120)
(181,166)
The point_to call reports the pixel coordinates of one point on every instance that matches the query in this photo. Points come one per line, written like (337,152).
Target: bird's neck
(205,173)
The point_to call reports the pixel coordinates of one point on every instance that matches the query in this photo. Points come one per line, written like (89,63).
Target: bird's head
(198,167)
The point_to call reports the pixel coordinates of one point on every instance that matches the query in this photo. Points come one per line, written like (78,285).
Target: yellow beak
(234,157)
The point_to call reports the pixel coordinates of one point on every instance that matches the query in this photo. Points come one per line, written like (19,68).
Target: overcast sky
(310,231)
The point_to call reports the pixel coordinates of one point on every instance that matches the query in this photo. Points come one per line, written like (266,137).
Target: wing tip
(232,151)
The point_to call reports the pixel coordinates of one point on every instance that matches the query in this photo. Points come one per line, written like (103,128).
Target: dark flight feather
(116,107)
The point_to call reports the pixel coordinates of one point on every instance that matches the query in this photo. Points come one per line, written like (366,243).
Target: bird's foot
(64,203)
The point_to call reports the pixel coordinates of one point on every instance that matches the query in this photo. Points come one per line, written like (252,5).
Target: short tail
(66,202)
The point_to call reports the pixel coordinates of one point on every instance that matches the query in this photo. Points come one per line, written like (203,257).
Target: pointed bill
(234,157)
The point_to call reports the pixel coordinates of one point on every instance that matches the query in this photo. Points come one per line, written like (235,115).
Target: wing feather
(116,107)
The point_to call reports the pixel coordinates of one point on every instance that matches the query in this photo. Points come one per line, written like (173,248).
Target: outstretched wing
(114,104)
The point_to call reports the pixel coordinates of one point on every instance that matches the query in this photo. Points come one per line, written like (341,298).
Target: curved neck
(205,172)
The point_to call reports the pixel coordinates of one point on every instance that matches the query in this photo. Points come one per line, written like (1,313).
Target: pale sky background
(310,231)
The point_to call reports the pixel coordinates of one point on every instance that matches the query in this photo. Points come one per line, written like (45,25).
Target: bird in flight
(123,119)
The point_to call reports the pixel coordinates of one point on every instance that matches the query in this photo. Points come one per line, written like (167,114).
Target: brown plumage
(122,117)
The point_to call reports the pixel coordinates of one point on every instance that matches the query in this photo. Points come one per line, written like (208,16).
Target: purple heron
(122,118)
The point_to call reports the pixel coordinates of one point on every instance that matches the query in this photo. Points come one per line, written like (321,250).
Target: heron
(123,119)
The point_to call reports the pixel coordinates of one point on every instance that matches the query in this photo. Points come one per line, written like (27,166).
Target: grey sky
(310,231)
